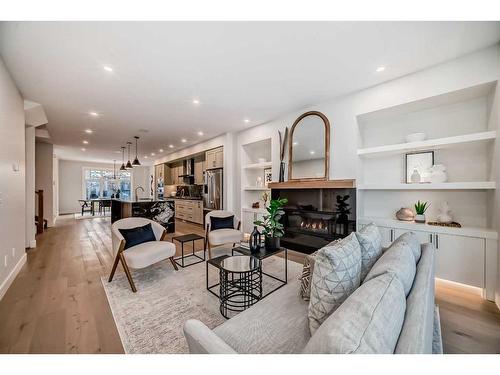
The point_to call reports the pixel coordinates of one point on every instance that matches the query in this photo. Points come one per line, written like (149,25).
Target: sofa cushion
(222,236)
(398,259)
(369,321)
(370,240)
(276,324)
(337,273)
(307,271)
(411,239)
(138,235)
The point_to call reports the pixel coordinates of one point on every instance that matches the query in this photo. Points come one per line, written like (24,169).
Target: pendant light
(114,169)
(129,164)
(122,168)
(136,160)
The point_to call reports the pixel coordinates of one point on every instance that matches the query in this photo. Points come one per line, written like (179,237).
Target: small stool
(187,238)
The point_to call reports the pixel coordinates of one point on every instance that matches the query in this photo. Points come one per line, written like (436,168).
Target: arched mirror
(309,147)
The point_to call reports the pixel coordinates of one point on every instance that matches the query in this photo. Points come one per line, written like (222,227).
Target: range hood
(187,168)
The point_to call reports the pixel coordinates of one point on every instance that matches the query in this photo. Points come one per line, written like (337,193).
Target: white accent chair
(142,255)
(221,236)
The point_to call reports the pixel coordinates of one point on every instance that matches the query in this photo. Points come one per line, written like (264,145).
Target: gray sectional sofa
(279,323)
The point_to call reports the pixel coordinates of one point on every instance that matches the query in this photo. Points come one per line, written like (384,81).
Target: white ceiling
(238,70)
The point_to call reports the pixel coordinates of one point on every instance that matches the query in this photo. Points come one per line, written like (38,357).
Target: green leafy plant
(271,224)
(421,207)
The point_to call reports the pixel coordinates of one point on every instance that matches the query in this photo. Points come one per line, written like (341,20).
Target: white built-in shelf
(266,164)
(479,185)
(255,188)
(254,210)
(411,225)
(436,144)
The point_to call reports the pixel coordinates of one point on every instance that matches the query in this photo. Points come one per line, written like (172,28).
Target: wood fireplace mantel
(330,184)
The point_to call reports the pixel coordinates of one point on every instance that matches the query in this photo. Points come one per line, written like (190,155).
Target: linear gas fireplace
(316,216)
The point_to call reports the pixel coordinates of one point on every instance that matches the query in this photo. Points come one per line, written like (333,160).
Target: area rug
(151,320)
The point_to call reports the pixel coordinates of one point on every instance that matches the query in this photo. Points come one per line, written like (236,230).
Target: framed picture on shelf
(268,176)
(417,166)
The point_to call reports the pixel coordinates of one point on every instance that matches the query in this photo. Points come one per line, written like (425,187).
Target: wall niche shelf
(435,144)
(480,185)
(264,165)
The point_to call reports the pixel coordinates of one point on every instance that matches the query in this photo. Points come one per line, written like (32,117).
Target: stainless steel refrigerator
(213,196)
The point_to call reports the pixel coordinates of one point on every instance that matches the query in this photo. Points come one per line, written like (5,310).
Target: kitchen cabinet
(199,168)
(424,237)
(189,210)
(175,171)
(214,158)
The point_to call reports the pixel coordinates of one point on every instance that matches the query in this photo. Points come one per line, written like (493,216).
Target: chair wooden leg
(113,270)
(173,263)
(127,272)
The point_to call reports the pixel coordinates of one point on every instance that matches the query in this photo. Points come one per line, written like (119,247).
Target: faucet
(137,188)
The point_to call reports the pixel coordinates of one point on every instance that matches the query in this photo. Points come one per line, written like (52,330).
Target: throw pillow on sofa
(337,273)
(369,321)
(399,260)
(411,239)
(370,239)
(306,275)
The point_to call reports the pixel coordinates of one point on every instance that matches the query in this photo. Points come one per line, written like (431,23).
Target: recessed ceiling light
(88,131)
(246,121)
(312,152)
(295,143)
(145,156)
(153,154)
(85,142)
(200,133)
(160,150)
(183,140)
(380,69)
(94,114)
(83,149)
(196,101)
(171,146)
(108,68)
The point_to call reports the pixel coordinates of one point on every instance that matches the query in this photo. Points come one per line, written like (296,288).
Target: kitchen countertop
(149,200)
(188,198)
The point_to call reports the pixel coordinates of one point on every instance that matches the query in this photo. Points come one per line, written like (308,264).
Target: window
(99,183)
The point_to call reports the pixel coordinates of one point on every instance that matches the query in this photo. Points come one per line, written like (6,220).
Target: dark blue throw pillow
(136,236)
(221,222)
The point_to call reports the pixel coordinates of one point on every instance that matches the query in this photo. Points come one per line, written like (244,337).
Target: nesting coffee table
(189,238)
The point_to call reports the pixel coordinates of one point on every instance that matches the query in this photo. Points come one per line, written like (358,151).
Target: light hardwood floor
(57,303)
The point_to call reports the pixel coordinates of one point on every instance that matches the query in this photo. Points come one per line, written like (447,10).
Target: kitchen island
(160,210)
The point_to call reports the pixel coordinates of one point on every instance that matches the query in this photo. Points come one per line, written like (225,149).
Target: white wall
(44,178)
(70,182)
(12,181)
(30,186)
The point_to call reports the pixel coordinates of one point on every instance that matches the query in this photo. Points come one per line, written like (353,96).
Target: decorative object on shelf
(420,208)
(268,176)
(255,240)
(261,160)
(259,182)
(309,148)
(453,224)
(129,164)
(421,162)
(415,177)
(136,162)
(405,214)
(255,205)
(122,168)
(437,173)
(117,194)
(283,141)
(343,208)
(265,198)
(416,137)
(444,216)
(273,229)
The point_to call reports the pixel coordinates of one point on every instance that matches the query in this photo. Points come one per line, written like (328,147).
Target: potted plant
(272,228)
(420,208)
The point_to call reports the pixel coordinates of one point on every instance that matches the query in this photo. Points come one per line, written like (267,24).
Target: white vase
(445,214)
(420,218)
(415,177)
(437,173)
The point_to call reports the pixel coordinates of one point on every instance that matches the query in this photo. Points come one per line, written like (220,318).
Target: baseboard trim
(10,278)
(32,244)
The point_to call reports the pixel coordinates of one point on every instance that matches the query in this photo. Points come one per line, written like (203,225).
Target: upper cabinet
(215,158)
(199,167)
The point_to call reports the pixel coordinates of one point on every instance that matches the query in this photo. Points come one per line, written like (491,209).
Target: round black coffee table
(240,283)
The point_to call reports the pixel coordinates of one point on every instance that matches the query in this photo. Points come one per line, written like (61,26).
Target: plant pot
(272,243)
(420,218)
